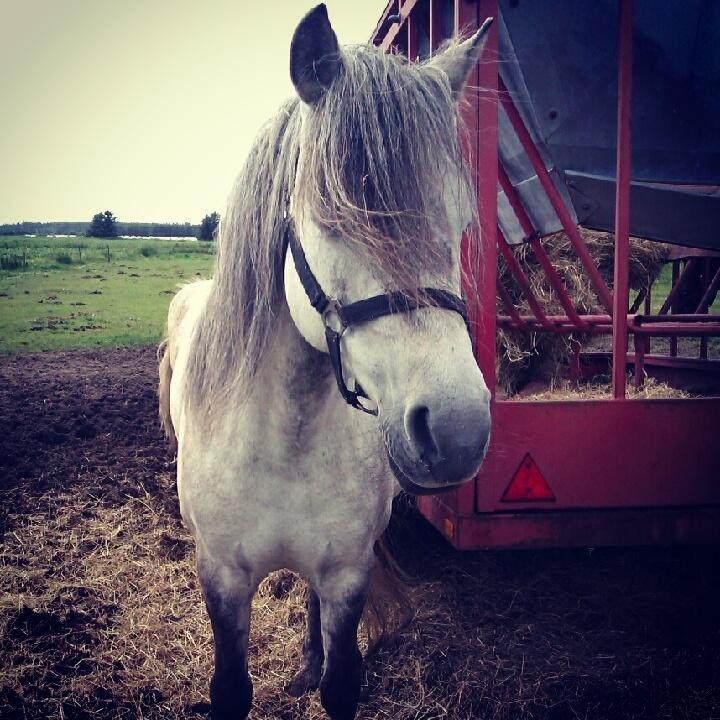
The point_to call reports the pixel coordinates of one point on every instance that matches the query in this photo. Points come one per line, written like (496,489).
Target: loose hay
(537,356)
(101,616)
(651,389)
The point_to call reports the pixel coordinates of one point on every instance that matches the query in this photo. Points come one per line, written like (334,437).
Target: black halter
(338,317)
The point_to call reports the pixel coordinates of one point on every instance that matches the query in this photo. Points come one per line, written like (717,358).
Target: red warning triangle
(528,484)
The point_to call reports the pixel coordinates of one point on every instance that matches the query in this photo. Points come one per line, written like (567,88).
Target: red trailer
(582,472)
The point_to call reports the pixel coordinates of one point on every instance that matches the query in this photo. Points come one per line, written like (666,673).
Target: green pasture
(84,292)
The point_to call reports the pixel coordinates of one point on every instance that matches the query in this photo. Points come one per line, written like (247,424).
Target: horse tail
(388,602)
(165,372)
(187,294)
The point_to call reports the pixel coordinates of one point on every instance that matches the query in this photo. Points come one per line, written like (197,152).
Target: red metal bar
(675,278)
(680,329)
(639,300)
(555,199)
(510,306)
(521,279)
(706,300)
(710,293)
(565,320)
(710,324)
(506,323)
(557,283)
(528,229)
(480,115)
(664,330)
(648,311)
(622,199)
(684,363)
(392,33)
(485,159)
(635,319)
(405,9)
(513,197)
(680,281)
(553,320)
(682,318)
(381,27)
(670,330)
(639,342)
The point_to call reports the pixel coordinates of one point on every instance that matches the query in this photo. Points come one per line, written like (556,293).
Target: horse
(328,364)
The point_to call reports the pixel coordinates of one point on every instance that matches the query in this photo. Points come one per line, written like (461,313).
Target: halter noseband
(337,317)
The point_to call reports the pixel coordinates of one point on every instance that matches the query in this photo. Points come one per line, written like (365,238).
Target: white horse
(363,178)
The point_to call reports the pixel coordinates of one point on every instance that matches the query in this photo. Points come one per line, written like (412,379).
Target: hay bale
(538,356)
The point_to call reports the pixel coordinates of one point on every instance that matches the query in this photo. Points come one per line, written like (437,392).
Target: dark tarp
(559,60)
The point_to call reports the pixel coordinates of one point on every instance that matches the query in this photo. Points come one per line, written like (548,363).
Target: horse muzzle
(436,450)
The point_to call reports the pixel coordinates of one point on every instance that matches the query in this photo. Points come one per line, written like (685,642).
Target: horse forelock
(378,148)
(375,150)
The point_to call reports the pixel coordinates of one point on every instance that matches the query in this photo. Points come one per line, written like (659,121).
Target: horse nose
(452,442)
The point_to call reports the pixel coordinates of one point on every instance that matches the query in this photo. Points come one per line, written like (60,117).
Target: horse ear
(314,55)
(458,61)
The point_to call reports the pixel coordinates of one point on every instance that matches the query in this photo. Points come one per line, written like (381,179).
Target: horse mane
(375,149)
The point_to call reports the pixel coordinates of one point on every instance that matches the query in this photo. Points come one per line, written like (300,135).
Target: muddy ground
(101,617)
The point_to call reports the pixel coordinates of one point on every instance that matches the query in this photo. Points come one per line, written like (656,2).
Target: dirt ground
(101,617)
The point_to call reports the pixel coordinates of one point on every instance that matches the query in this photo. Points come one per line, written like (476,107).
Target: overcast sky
(143,107)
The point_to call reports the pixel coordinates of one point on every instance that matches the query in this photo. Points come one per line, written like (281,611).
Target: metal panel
(607,454)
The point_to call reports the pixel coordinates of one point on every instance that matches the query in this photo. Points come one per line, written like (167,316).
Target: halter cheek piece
(337,317)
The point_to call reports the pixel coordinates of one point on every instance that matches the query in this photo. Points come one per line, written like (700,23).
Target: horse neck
(296,372)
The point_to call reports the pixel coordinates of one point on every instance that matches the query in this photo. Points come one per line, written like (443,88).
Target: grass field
(60,293)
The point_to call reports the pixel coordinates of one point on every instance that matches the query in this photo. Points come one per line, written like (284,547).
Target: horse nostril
(418,431)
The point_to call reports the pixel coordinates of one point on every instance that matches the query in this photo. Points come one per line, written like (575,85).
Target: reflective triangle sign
(528,484)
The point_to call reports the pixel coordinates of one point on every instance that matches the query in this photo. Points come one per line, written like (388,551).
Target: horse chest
(279,499)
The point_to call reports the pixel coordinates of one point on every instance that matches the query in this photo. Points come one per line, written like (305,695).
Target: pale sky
(143,107)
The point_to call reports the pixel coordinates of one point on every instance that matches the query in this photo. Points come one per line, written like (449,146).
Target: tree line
(105,224)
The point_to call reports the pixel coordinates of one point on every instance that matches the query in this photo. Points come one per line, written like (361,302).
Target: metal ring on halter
(333,335)
(334,308)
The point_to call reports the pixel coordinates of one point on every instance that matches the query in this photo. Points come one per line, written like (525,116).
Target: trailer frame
(602,472)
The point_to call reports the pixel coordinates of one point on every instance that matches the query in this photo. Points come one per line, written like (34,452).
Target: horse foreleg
(342,598)
(228,603)
(308,677)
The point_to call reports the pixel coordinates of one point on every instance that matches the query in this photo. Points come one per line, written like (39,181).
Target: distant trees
(155,229)
(208,226)
(104,224)
(141,229)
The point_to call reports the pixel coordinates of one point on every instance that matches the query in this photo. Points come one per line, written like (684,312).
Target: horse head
(381,200)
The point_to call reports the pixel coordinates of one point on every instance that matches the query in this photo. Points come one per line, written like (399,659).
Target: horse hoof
(306,680)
